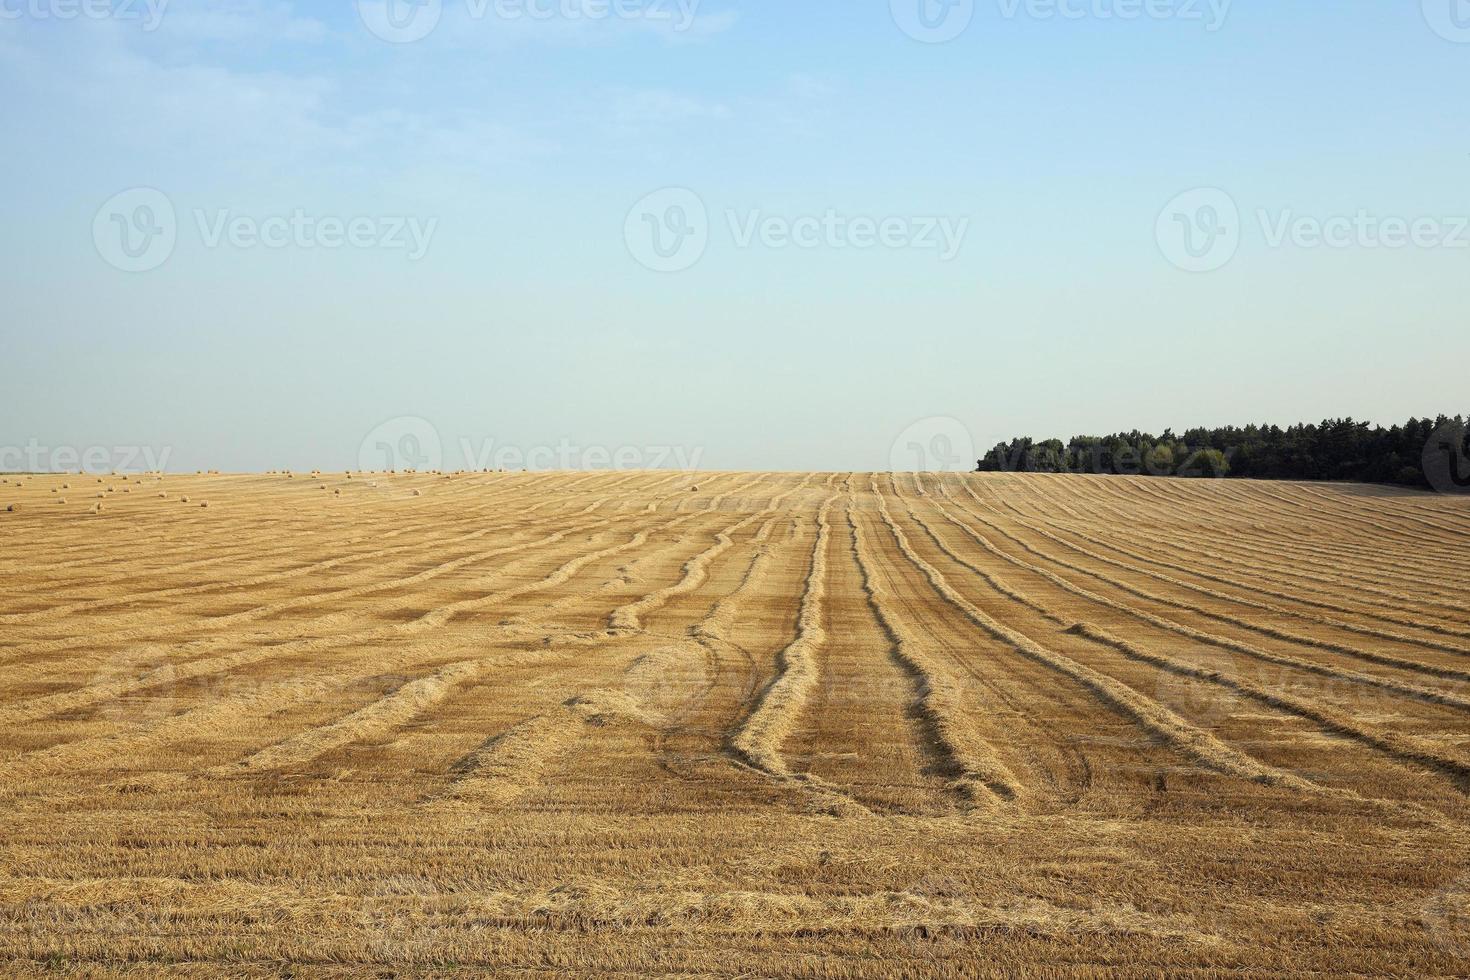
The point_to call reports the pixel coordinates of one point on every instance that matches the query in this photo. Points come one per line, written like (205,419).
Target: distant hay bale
(203,503)
(337,492)
(61,500)
(96,508)
(418,493)
(13,508)
(184,499)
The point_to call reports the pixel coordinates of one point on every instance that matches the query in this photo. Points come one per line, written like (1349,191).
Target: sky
(263,234)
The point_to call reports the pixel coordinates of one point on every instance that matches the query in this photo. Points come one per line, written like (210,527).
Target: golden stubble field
(732,724)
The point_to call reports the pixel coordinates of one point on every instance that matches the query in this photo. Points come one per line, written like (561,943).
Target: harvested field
(842,725)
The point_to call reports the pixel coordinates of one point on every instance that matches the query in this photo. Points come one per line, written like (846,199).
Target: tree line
(1419,453)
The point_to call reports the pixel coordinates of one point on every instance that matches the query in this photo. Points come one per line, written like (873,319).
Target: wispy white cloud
(240,20)
(812,87)
(158,103)
(660,107)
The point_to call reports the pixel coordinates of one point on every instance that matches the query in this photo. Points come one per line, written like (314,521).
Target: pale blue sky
(521,146)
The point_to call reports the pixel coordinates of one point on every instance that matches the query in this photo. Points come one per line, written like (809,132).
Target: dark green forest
(1425,453)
